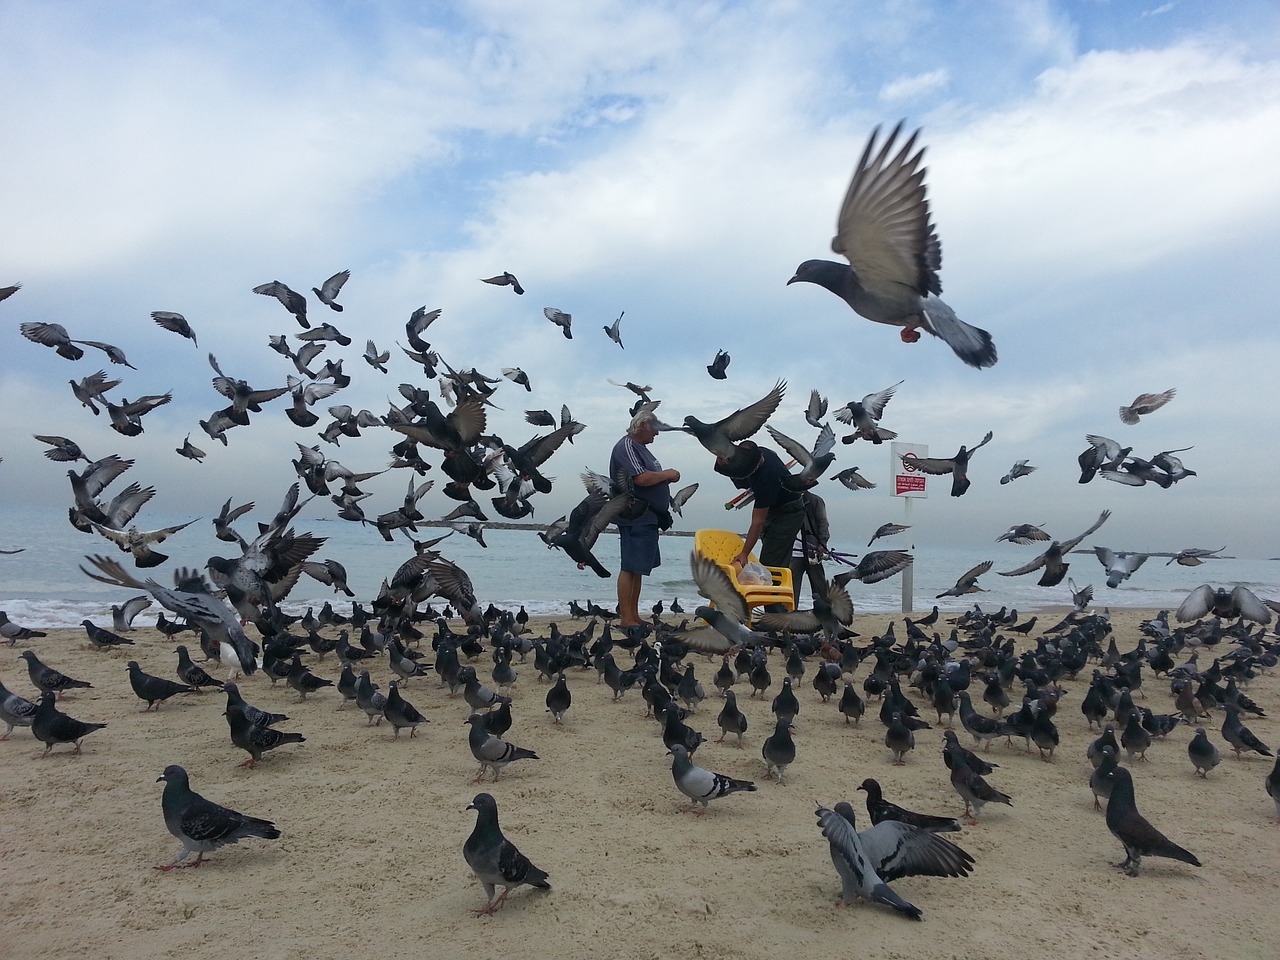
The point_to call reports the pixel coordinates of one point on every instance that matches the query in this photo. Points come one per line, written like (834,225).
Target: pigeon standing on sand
(262,718)
(193,673)
(492,752)
(778,750)
(102,638)
(1272,783)
(867,860)
(559,699)
(1132,829)
(1241,738)
(52,727)
(1203,754)
(973,790)
(699,785)
(885,232)
(15,711)
(880,810)
(202,825)
(154,690)
(731,719)
(494,859)
(255,739)
(400,713)
(48,680)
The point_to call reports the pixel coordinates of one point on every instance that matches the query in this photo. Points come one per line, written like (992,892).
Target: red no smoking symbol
(908,462)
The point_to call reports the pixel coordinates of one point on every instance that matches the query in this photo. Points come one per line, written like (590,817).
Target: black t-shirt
(766,482)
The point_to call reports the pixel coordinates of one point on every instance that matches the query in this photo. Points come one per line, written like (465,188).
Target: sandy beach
(372,830)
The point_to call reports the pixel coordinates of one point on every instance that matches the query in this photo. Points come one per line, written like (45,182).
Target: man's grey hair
(641,419)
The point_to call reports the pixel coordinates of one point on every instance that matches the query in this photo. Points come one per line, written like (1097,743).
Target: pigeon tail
(882,893)
(971,344)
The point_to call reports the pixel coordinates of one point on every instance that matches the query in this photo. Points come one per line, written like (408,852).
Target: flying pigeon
(175,323)
(885,232)
(1020,468)
(327,292)
(863,416)
(614,330)
(1146,403)
(719,365)
(561,319)
(957,466)
(293,301)
(505,279)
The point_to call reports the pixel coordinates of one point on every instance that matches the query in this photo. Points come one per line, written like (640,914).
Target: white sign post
(909,484)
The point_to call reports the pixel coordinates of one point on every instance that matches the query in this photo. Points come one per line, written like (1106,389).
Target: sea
(44,587)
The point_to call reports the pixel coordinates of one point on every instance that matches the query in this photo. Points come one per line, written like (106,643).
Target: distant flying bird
(1019,469)
(876,566)
(516,375)
(816,410)
(968,582)
(1103,453)
(1119,566)
(53,335)
(293,301)
(561,319)
(176,323)
(375,359)
(1146,403)
(614,330)
(863,416)
(852,479)
(1190,557)
(327,292)
(957,466)
(114,353)
(1055,568)
(888,530)
(719,365)
(681,497)
(189,451)
(1023,533)
(885,231)
(505,279)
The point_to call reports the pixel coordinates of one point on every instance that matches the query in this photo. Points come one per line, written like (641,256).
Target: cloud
(911,88)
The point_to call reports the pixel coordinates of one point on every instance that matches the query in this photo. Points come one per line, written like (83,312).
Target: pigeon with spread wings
(957,466)
(1055,568)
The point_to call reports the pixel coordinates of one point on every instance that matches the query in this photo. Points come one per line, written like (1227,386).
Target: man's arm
(651,478)
(758,517)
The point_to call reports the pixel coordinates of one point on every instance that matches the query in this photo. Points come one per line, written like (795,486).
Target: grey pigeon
(175,323)
(303,680)
(561,319)
(614,330)
(328,291)
(731,719)
(123,615)
(973,790)
(494,859)
(1020,468)
(968,582)
(888,530)
(885,232)
(718,367)
(400,713)
(863,415)
(1241,738)
(957,466)
(899,739)
(492,753)
(52,727)
(48,680)
(867,860)
(559,699)
(726,615)
(1203,754)
(1023,533)
(154,690)
(1101,781)
(293,301)
(1132,829)
(262,718)
(192,673)
(255,739)
(699,785)
(15,710)
(369,699)
(720,437)
(1055,568)
(505,279)
(102,638)
(202,825)
(1239,602)
(778,750)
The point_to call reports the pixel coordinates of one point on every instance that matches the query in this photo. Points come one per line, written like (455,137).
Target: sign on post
(904,479)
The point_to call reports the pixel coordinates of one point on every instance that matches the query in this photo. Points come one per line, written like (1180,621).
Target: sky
(1101,175)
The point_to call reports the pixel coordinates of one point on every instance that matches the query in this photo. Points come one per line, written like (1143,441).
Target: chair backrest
(718,545)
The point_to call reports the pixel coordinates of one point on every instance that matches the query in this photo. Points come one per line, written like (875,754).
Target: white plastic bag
(755,574)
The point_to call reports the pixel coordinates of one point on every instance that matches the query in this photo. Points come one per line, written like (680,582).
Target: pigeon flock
(427,656)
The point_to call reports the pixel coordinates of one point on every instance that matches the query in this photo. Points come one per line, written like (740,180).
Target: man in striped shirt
(639,537)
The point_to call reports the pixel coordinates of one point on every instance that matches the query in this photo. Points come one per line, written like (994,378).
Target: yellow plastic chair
(722,546)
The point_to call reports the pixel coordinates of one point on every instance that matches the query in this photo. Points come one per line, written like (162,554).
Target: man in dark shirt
(777,512)
(639,537)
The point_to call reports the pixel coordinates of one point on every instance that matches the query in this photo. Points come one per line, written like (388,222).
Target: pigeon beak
(161,777)
(471,806)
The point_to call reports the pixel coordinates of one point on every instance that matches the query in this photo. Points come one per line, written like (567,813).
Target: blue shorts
(639,547)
